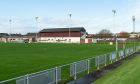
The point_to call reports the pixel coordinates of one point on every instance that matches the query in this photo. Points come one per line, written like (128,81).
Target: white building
(63,35)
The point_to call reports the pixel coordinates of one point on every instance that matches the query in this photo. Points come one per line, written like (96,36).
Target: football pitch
(19,59)
(128,73)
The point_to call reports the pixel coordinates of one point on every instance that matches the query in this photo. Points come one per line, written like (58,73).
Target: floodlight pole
(70,15)
(36,18)
(114,14)
(10,21)
(134,19)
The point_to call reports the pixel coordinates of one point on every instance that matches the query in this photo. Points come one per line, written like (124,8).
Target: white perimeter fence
(72,70)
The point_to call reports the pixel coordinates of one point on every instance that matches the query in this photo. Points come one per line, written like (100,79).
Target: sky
(93,15)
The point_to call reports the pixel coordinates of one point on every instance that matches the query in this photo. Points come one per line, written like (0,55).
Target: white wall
(122,39)
(133,35)
(60,39)
(2,39)
(94,40)
(86,40)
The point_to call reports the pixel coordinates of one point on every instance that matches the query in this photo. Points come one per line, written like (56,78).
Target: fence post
(120,54)
(88,62)
(27,79)
(123,54)
(98,66)
(75,71)
(116,56)
(130,51)
(111,57)
(126,52)
(105,59)
(56,71)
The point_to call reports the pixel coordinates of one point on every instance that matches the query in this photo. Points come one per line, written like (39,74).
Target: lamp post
(10,22)
(114,14)
(70,15)
(36,18)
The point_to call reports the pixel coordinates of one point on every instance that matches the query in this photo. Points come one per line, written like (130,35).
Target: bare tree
(104,33)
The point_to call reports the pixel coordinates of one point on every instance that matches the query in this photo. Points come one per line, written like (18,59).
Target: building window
(69,40)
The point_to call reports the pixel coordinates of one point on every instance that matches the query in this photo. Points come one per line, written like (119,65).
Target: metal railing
(72,70)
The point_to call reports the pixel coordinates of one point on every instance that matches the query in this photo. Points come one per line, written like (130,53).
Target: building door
(82,41)
(89,40)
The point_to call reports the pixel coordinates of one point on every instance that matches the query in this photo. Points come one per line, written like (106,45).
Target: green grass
(128,73)
(20,59)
